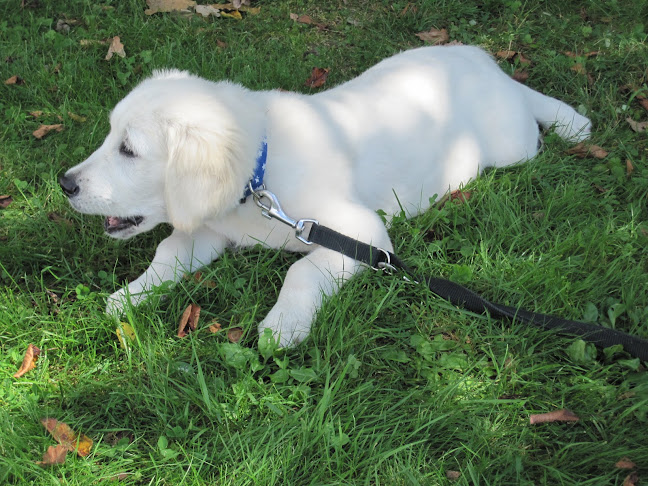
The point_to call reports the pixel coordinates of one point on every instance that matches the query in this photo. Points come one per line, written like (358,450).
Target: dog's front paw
(115,303)
(288,329)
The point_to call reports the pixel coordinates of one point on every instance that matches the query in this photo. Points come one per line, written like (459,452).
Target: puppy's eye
(125,150)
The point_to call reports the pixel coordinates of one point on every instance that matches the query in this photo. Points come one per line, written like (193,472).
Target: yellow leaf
(234,14)
(125,334)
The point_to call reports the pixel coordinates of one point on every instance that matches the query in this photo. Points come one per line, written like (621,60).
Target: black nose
(69,186)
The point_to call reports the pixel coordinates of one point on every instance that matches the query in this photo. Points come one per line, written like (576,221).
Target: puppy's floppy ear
(205,174)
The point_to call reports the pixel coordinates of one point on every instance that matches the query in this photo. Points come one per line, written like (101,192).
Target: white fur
(416,125)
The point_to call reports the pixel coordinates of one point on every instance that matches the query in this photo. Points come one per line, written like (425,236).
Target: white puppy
(181,149)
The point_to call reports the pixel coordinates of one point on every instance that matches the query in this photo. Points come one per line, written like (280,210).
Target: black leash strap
(460,296)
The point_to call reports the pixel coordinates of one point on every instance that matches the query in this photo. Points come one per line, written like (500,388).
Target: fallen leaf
(29,361)
(54,455)
(307,20)
(189,320)
(562,415)
(506,55)
(578,68)
(629,167)
(156,6)
(207,10)
(520,76)
(235,334)
(17,80)
(583,150)
(317,78)
(214,327)
(65,436)
(301,19)
(92,42)
(460,196)
(36,113)
(242,6)
(77,118)
(625,463)
(43,130)
(637,126)
(453,475)
(434,36)
(631,479)
(5,201)
(643,101)
(116,47)
(234,14)
(125,334)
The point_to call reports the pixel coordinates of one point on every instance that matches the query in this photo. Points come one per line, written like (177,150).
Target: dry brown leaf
(235,334)
(5,201)
(434,36)
(17,80)
(43,130)
(562,415)
(54,455)
(453,475)
(317,78)
(583,150)
(506,54)
(156,6)
(625,463)
(631,479)
(307,20)
(460,196)
(523,60)
(637,126)
(643,101)
(301,19)
(115,47)
(214,327)
(189,320)
(520,76)
(578,68)
(29,361)
(629,167)
(36,113)
(65,436)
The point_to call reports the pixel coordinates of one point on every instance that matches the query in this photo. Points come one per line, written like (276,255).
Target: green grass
(394,386)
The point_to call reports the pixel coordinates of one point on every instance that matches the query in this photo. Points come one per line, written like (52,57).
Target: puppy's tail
(550,112)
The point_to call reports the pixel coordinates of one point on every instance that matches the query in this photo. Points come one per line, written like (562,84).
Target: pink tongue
(113,221)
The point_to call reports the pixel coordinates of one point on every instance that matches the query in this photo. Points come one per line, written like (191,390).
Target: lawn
(394,386)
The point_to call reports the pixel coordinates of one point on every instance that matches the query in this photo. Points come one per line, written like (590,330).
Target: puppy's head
(180,150)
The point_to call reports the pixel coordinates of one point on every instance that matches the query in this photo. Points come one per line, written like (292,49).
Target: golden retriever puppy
(182,150)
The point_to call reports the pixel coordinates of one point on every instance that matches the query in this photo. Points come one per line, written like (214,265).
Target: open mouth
(112,224)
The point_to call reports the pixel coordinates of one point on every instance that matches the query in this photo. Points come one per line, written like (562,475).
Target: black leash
(456,294)
(460,296)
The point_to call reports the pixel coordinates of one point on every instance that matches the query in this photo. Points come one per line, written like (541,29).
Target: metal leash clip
(385,265)
(273,211)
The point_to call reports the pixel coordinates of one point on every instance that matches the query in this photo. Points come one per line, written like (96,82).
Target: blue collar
(256,181)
